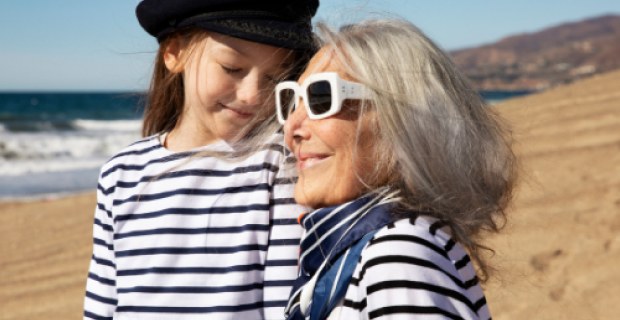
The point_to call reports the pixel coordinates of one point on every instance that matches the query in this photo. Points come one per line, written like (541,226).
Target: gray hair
(441,145)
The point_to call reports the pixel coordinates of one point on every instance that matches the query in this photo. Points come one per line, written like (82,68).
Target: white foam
(53,151)
(114,125)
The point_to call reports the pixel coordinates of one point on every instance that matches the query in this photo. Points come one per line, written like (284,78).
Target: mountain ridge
(542,59)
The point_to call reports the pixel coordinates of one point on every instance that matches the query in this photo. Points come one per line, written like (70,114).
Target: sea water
(55,143)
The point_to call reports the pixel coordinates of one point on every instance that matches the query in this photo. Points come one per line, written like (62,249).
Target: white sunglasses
(323,94)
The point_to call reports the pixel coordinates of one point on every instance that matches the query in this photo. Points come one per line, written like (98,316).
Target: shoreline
(43,197)
(44,185)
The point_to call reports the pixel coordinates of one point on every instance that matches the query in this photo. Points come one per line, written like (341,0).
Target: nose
(296,126)
(249,91)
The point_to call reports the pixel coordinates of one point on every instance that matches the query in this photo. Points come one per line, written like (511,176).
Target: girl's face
(229,82)
(335,154)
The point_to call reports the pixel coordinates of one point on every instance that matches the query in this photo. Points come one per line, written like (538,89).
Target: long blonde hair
(442,147)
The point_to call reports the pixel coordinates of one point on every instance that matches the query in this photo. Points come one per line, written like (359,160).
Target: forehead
(253,52)
(323,61)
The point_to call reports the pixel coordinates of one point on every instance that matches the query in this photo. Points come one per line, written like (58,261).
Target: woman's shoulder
(413,266)
(421,242)
(429,229)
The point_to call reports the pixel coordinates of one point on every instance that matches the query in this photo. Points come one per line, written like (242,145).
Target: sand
(558,256)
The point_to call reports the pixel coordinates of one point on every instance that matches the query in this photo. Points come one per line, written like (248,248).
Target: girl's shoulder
(142,146)
(139,151)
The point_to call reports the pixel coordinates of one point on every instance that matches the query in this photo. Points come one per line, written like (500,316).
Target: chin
(322,200)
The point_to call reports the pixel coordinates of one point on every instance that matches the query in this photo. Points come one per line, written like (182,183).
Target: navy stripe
(436,226)
(281,263)
(480,303)
(274,147)
(284,181)
(209,230)
(102,243)
(275,303)
(189,172)
(192,192)
(278,283)
(463,262)
(359,306)
(282,201)
(412,239)
(283,222)
(101,207)
(413,261)
(181,250)
(102,280)
(101,299)
(235,308)
(103,226)
(193,211)
(105,191)
(449,245)
(95,316)
(103,262)
(198,290)
(284,242)
(199,173)
(138,151)
(410,310)
(192,270)
(416,285)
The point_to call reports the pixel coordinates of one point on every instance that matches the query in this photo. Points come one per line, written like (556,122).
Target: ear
(173,53)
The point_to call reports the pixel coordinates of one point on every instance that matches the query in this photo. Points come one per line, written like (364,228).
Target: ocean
(53,144)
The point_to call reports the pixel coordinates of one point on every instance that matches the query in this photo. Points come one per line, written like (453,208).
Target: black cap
(282,23)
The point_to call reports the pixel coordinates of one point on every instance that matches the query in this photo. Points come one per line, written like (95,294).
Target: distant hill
(535,61)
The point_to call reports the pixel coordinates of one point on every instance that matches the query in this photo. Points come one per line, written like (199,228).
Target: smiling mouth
(308,161)
(237,112)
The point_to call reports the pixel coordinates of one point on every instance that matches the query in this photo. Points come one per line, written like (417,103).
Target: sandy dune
(558,257)
(560,254)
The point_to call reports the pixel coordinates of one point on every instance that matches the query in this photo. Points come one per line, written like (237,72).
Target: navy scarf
(329,233)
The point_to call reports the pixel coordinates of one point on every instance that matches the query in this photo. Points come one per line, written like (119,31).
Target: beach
(557,257)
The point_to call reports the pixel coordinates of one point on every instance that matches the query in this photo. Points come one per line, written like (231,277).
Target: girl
(214,237)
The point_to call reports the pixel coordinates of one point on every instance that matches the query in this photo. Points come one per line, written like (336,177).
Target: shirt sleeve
(101,300)
(404,275)
(284,237)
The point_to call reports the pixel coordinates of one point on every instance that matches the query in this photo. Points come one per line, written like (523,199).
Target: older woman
(406,166)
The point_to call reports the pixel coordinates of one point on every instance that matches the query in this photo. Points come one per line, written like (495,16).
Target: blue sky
(88,45)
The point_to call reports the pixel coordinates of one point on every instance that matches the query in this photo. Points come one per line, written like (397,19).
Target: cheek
(212,85)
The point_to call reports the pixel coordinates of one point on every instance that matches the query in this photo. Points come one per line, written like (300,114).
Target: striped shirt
(413,269)
(181,236)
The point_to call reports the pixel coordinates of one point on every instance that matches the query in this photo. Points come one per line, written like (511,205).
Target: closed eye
(230,70)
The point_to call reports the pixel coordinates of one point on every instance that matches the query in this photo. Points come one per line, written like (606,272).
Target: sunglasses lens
(320,96)
(287,102)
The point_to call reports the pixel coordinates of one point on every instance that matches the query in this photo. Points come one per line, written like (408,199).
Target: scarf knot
(329,232)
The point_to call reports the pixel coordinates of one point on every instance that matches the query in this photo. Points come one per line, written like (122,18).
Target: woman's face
(228,83)
(334,153)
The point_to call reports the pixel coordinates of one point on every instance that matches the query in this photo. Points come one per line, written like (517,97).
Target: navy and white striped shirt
(413,269)
(180,236)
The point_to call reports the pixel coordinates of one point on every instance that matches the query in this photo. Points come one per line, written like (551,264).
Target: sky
(98,45)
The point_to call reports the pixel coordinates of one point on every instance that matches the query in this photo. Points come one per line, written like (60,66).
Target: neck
(185,137)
